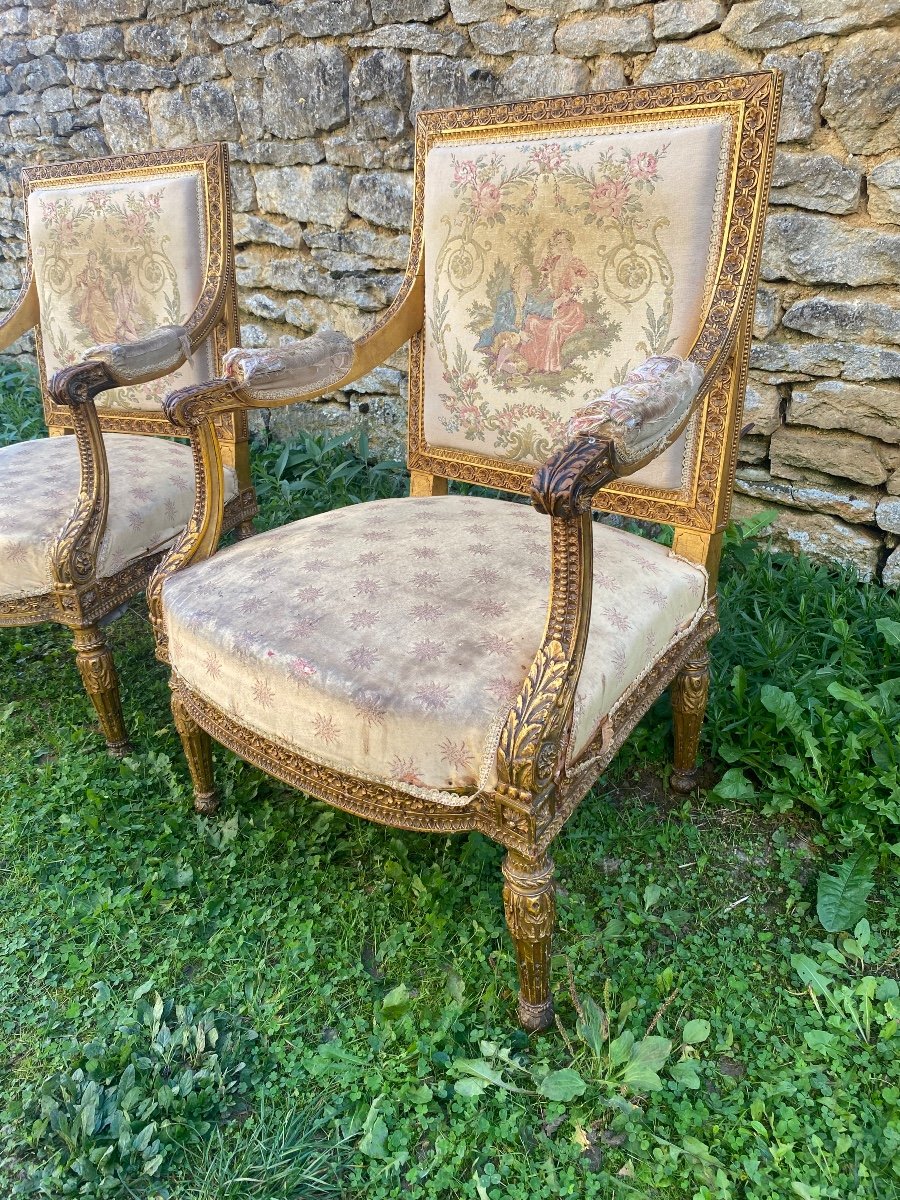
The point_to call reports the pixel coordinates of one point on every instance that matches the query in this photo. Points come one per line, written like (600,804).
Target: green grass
(341,973)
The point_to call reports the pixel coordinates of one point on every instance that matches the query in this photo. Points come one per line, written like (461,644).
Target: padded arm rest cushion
(308,366)
(640,415)
(152,356)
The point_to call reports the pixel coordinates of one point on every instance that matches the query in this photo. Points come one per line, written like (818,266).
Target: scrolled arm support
(74,554)
(566,483)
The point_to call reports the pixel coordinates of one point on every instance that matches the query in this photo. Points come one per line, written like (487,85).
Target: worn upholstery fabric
(556,264)
(113,262)
(306,366)
(640,414)
(389,639)
(151,497)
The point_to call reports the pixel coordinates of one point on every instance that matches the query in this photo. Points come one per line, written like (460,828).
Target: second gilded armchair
(129,288)
(578,306)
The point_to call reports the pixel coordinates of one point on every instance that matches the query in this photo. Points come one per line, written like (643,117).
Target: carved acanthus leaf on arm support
(611,436)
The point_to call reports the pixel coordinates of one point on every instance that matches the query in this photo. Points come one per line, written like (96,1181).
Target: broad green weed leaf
(395,1003)
(620,1048)
(783,706)
(810,974)
(648,1057)
(685,1073)
(890,629)
(562,1085)
(590,1027)
(734,785)
(841,899)
(483,1071)
(696,1031)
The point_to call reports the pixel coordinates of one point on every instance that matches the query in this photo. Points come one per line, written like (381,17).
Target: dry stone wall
(317,100)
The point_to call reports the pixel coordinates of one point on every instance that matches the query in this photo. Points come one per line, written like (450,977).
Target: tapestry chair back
(120,248)
(565,242)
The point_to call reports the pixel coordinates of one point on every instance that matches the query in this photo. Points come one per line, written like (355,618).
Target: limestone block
(820,249)
(846,455)
(823,539)
(243,190)
(171,119)
(139,77)
(326,18)
(590,36)
(250,229)
(388,11)
(792,361)
(162,43)
(466,12)
(440,82)
(126,126)
(862,99)
(422,39)
(873,410)
(802,94)
(607,74)
(676,19)
(305,91)
(101,44)
(890,574)
(767,312)
(762,408)
(674,62)
(382,197)
(884,192)
(827,317)
(258,304)
(544,75)
(525,35)
(317,194)
(762,24)
(887,515)
(375,249)
(753,449)
(817,181)
(812,493)
(379,94)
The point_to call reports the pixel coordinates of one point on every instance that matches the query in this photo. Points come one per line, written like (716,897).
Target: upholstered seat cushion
(389,639)
(151,496)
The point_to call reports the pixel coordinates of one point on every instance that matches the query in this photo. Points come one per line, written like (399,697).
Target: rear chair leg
(689,692)
(198,752)
(530,915)
(244,530)
(98,674)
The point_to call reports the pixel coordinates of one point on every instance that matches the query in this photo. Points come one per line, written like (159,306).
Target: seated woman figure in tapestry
(539,312)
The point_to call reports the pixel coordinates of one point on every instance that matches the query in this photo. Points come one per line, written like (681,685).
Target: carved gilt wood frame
(538,783)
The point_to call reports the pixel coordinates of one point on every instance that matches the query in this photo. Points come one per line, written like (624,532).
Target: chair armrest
(294,372)
(619,432)
(150,357)
(24,314)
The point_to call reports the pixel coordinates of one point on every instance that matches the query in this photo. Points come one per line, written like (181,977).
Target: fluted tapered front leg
(198,752)
(530,915)
(98,674)
(689,692)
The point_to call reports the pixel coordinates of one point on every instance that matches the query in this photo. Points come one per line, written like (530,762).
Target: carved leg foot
(98,674)
(689,692)
(244,530)
(530,915)
(198,752)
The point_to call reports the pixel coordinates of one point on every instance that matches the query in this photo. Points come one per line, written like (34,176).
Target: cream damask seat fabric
(151,495)
(389,639)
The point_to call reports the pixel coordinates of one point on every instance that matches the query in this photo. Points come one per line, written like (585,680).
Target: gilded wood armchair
(129,288)
(578,306)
